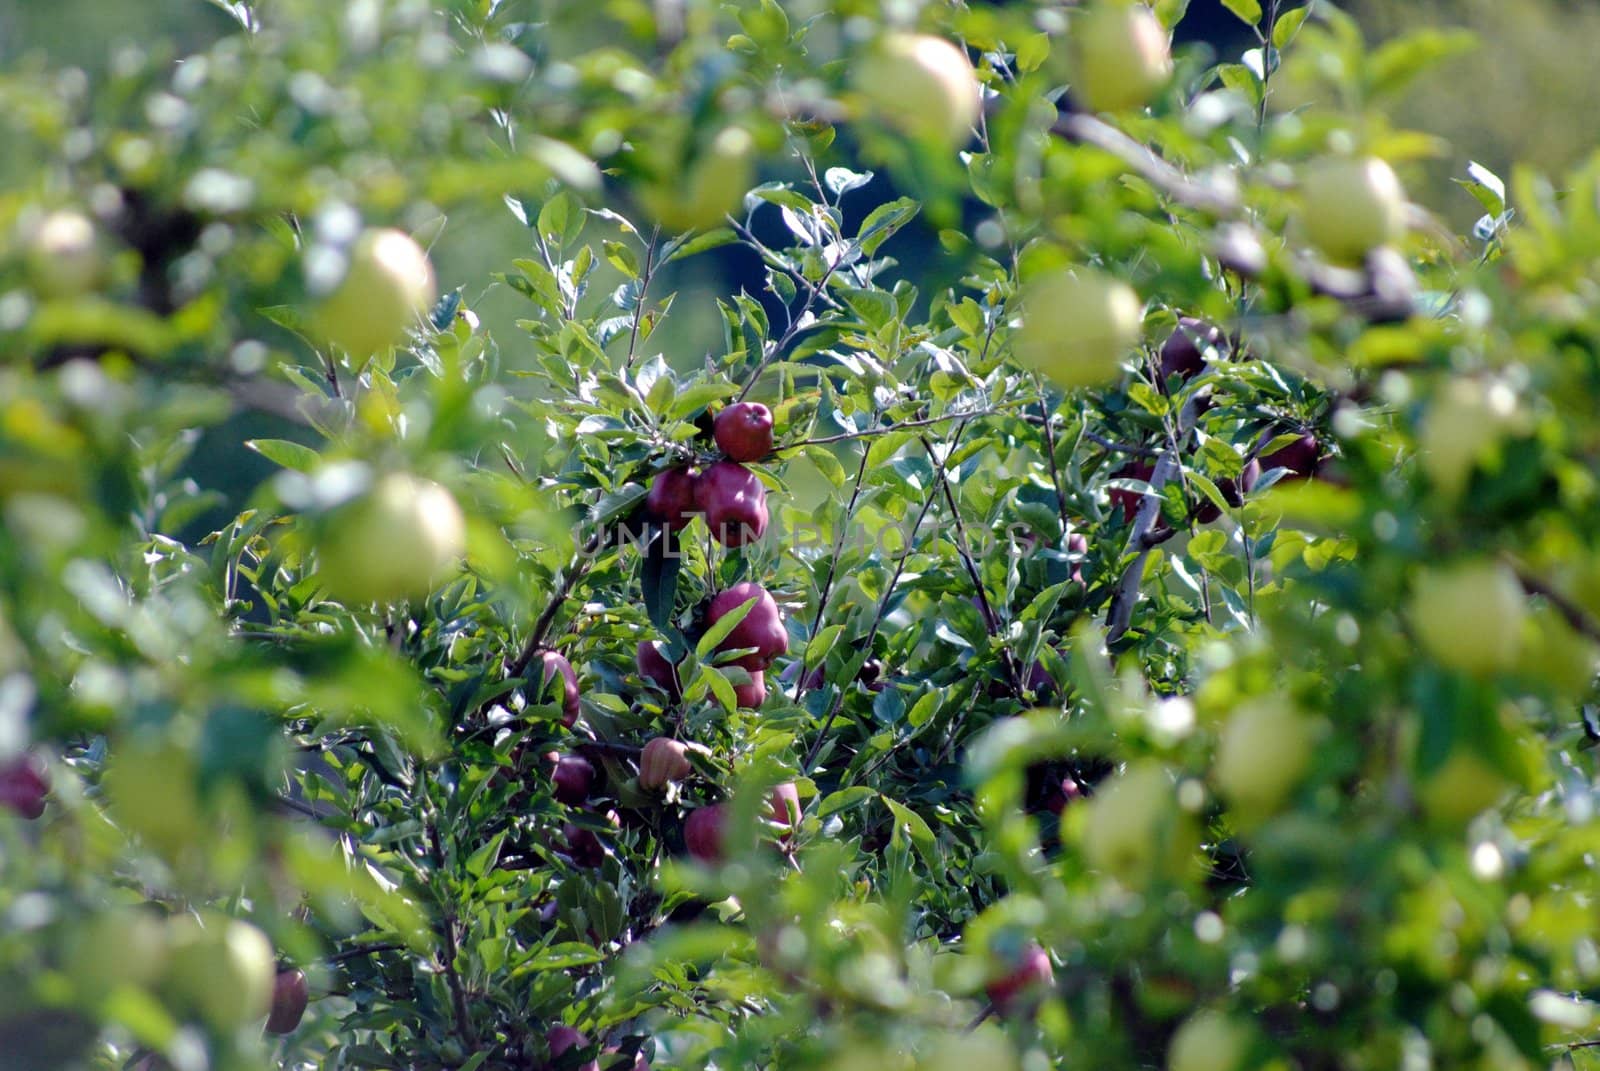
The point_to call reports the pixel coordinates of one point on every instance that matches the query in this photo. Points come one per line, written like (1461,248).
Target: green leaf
(1248,10)
(659,576)
(844,798)
(700,243)
(907,822)
(287,454)
(720,628)
(1288,23)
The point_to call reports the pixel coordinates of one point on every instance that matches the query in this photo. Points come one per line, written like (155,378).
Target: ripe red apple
(553,664)
(1184,352)
(583,846)
(1351,206)
(744,431)
(761,628)
(1130,501)
(572,777)
(734,503)
(1078,326)
(395,541)
(871,674)
(24,784)
(1120,56)
(1233,492)
(923,86)
(671,498)
(751,695)
(387,287)
(654,667)
(703,833)
(785,805)
(661,761)
(1032,970)
(1299,457)
(289,999)
(1078,543)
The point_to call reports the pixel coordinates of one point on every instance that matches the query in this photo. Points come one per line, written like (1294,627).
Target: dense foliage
(1122,592)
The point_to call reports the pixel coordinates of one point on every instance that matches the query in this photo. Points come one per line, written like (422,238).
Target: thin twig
(1085,128)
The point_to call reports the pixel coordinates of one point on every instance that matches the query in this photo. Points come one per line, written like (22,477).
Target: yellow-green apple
(1462,427)
(394,541)
(1134,829)
(670,499)
(662,760)
(222,970)
(1078,326)
(1264,751)
(921,85)
(1461,788)
(1209,1041)
(1469,615)
(711,185)
(1351,205)
(118,947)
(64,257)
(151,790)
(1120,56)
(734,503)
(387,286)
(744,431)
(760,628)
(289,999)
(986,1048)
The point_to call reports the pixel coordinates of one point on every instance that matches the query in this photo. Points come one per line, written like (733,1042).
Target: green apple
(921,85)
(64,257)
(221,970)
(387,286)
(1078,326)
(1351,205)
(396,541)
(712,186)
(1120,56)
(985,1048)
(1462,788)
(1469,615)
(152,791)
(1555,654)
(119,947)
(1463,426)
(1209,1041)
(1134,829)
(1264,750)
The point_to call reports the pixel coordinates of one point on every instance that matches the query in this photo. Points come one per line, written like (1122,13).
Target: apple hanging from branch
(923,86)
(387,287)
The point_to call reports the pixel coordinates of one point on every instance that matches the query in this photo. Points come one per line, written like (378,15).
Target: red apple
(751,695)
(1032,970)
(654,667)
(583,846)
(871,674)
(761,628)
(744,431)
(703,833)
(289,998)
(1233,492)
(24,784)
(662,760)
(671,497)
(562,1038)
(734,503)
(1078,543)
(1299,457)
(785,805)
(1184,352)
(572,777)
(1130,501)
(553,664)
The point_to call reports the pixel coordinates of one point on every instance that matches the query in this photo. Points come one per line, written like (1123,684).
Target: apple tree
(1106,577)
